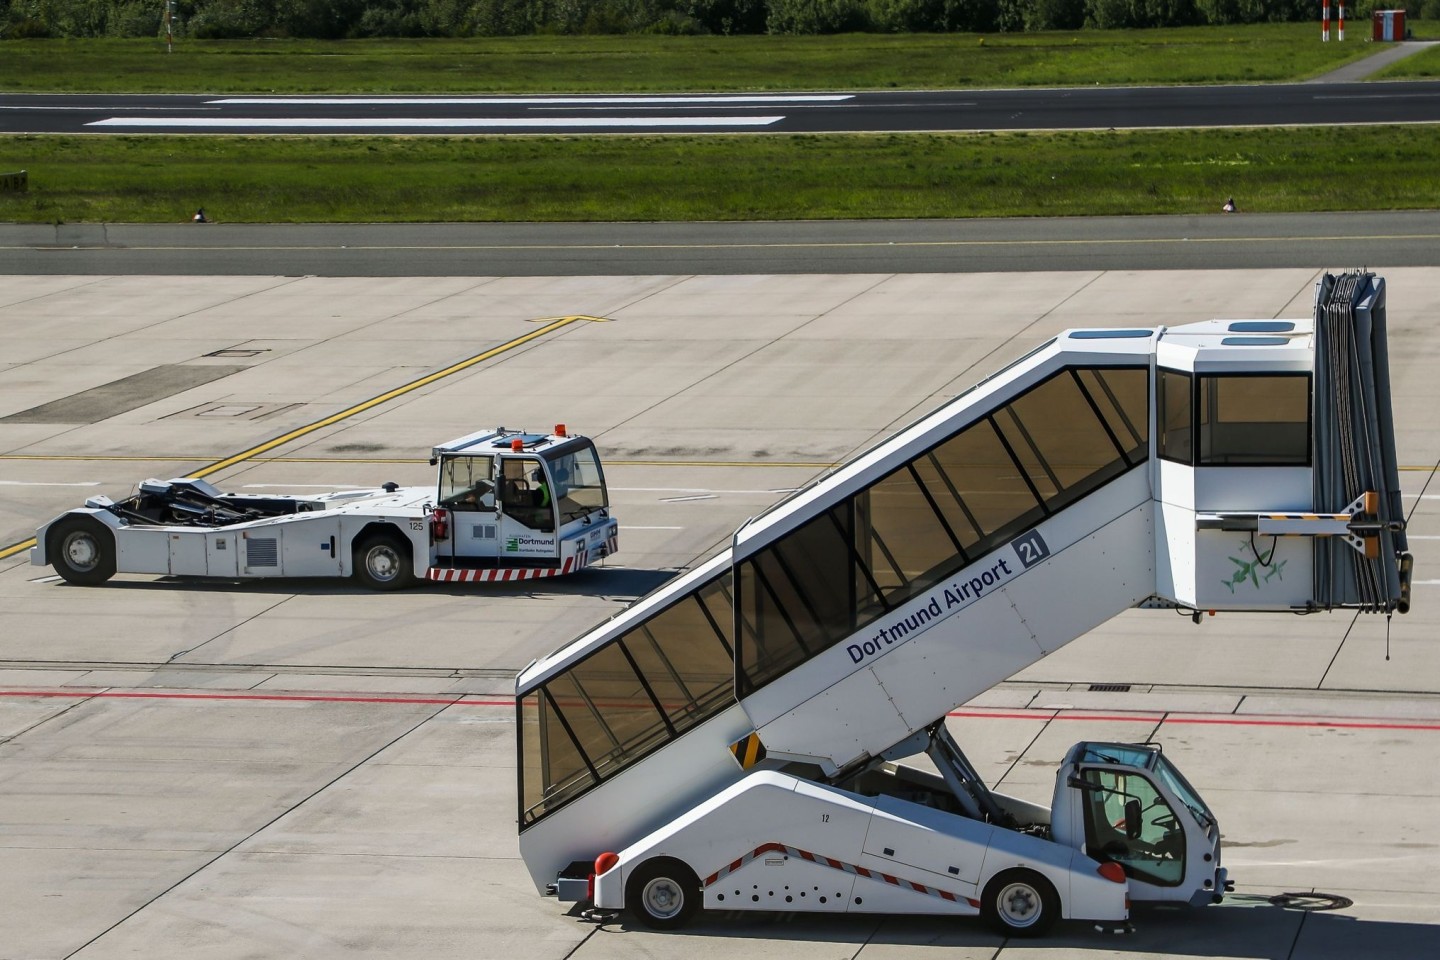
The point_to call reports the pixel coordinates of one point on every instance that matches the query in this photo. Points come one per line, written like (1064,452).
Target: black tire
(1020,903)
(663,893)
(82,550)
(383,562)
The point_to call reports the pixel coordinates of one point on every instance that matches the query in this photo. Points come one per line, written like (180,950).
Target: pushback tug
(507,505)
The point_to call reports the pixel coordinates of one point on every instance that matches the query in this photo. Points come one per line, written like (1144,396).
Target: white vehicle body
(507,506)
(745,721)
(892,839)
(846,853)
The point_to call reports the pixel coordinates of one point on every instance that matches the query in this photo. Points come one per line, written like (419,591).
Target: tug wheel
(82,550)
(383,562)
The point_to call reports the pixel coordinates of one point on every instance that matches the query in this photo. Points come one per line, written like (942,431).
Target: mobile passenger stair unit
(734,740)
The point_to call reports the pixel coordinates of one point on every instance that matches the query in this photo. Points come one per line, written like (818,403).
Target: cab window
(526,495)
(1127,821)
(467,483)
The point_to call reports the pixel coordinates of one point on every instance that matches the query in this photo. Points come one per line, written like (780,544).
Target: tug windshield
(578,481)
(1182,789)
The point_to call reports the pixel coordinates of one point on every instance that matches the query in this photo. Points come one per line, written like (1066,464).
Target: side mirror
(1132,819)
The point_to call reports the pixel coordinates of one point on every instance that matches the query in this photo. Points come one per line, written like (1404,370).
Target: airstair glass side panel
(625,699)
(856,567)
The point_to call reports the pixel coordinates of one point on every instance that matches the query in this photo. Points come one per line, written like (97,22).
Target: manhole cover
(1311,902)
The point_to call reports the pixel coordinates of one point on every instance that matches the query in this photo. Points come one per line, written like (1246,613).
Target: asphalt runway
(1070,108)
(217,770)
(1213,242)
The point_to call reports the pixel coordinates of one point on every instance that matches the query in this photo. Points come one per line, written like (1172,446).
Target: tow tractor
(507,505)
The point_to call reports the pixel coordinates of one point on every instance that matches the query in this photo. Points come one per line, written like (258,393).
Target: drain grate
(235,410)
(1109,688)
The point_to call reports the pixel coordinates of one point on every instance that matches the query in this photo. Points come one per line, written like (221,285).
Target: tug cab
(508,505)
(514,499)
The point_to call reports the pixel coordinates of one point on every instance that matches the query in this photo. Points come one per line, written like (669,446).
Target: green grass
(1253,53)
(359,179)
(349,179)
(1421,66)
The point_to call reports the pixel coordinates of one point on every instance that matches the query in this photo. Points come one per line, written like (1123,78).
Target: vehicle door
(467,490)
(527,510)
(1129,820)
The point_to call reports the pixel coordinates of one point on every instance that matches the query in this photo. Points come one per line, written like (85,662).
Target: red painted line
(1340,724)
(1229,721)
(1349,723)
(460,700)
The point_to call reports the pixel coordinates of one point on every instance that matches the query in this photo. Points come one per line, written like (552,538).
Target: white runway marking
(530,101)
(626,526)
(431,123)
(302,486)
(36,483)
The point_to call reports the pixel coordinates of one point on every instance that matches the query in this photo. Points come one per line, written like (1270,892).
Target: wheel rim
(663,898)
(81,551)
(382,562)
(1019,905)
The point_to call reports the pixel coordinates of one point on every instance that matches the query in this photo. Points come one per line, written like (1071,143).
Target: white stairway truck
(735,739)
(507,505)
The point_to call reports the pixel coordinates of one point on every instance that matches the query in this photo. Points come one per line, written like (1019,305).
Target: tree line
(343,19)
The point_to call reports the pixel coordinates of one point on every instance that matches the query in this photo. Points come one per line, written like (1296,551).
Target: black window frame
(704,710)
(752,677)
(1208,461)
(1163,446)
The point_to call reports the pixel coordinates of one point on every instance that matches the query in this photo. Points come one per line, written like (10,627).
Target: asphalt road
(1389,239)
(882,112)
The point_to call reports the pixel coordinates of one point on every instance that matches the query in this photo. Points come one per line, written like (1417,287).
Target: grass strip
(1424,65)
(548,64)
(682,178)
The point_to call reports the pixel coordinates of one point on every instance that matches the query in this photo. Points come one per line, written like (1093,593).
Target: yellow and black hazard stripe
(748,750)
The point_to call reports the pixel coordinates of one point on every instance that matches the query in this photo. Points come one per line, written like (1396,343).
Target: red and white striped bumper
(504,574)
